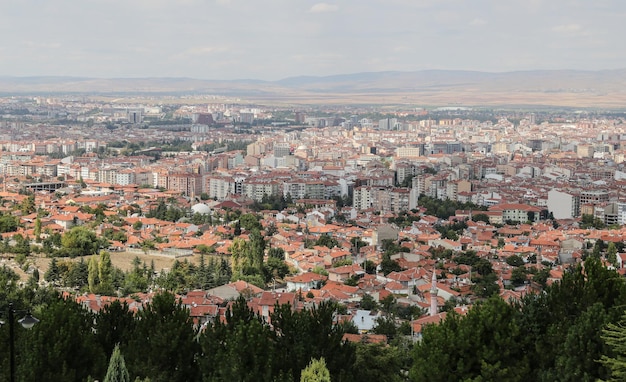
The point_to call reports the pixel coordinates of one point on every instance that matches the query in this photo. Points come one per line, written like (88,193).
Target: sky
(276,39)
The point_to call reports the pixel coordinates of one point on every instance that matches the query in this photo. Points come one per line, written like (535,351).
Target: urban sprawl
(424,209)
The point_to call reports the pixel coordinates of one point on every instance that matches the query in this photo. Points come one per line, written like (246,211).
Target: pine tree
(615,337)
(105,269)
(37,229)
(117,371)
(316,371)
(92,275)
(52,274)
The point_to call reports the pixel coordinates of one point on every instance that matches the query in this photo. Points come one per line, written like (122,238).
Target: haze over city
(271,40)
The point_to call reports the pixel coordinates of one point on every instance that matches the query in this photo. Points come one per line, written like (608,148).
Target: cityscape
(398,216)
(234,190)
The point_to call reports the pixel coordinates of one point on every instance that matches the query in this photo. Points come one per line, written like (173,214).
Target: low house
(341,274)
(305,282)
(365,320)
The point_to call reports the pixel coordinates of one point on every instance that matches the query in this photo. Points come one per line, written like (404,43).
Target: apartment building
(563,205)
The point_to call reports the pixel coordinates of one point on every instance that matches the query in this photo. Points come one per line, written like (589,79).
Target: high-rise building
(563,205)
(387,124)
(300,117)
(135,115)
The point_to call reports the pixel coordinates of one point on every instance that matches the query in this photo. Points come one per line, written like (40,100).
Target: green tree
(519,276)
(114,325)
(307,334)
(240,349)
(327,241)
(117,371)
(80,241)
(163,345)
(368,302)
(316,371)
(482,346)
(62,346)
(611,253)
(105,274)
(250,222)
(8,223)
(377,362)
(614,336)
(480,217)
(590,221)
(386,325)
(92,276)
(515,261)
(37,229)
(77,275)
(277,253)
(28,205)
(52,274)
(388,265)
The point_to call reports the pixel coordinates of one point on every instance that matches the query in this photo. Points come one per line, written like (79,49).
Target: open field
(122,260)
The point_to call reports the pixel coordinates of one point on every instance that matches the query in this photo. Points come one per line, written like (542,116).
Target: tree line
(572,331)
(160,342)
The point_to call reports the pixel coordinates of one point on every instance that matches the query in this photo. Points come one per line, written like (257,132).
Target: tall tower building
(433,295)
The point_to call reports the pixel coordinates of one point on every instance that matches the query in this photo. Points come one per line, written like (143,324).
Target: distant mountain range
(606,88)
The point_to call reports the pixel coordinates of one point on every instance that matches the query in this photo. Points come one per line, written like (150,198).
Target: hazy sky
(274,39)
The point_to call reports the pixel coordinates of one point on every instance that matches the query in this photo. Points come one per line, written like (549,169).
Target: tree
(387,326)
(61,347)
(52,274)
(105,274)
(611,253)
(163,345)
(501,244)
(486,286)
(388,265)
(306,334)
(483,267)
(37,229)
(327,241)
(240,349)
(250,222)
(388,304)
(519,276)
(614,335)
(77,275)
(480,218)
(8,223)
(117,371)
(92,276)
(482,346)
(368,302)
(114,326)
(316,371)
(376,362)
(28,205)
(277,253)
(275,268)
(80,241)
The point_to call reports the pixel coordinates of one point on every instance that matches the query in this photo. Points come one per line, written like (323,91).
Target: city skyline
(230,39)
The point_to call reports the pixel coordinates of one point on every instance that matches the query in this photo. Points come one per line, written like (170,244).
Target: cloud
(567,28)
(323,7)
(477,22)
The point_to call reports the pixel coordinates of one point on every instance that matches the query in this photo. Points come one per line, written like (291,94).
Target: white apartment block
(219,187)
(563,205)
(256,190)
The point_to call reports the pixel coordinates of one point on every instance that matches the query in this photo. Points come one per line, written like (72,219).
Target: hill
(600,89)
